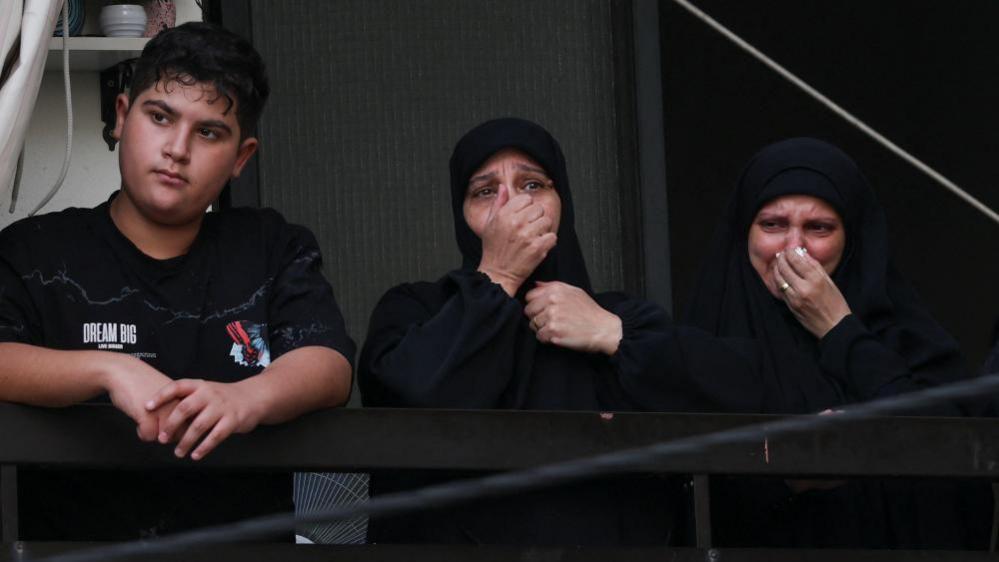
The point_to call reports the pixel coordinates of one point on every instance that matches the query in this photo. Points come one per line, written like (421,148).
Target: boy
(195,325)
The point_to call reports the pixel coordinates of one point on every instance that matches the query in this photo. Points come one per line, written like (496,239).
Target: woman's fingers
(809,292)
(545,335)
(545,243)
(792,259)
(517,237)
(505,208)
(567,316)
(531,296)
(538,322)
(803,264)
(538,227)
(534,304)
(498,203)
(516,204)
(502,198)
(802,273)
(782,285)
(541,296)
(532,213)
(530,218)
(787,274)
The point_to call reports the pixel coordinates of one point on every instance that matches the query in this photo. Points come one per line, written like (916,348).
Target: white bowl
(121,20)
(124,30)
(122,26)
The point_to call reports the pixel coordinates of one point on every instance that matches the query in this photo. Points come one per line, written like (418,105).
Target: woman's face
(518,174)
(793,221)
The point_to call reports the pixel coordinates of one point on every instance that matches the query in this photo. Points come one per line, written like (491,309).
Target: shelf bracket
(115,80)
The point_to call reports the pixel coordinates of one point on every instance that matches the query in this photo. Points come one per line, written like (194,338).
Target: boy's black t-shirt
(249,290)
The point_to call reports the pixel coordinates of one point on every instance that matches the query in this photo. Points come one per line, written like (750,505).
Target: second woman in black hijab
(517,326)
(801,266)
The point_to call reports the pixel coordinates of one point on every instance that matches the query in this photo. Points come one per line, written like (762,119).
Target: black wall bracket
(114,80)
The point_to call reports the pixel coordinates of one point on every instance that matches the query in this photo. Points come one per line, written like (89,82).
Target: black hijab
(565,261)
(731,299)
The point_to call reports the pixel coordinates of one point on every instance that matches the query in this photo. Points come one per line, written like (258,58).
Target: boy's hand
(129,383)
(205,411)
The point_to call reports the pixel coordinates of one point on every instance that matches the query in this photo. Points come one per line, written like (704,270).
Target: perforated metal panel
(369,97)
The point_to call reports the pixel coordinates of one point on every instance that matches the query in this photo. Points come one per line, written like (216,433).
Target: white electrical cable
(835,108)
(69,111)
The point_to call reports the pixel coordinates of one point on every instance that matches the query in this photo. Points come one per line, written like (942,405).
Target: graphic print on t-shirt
(109,335)
(73,291)
(249,346)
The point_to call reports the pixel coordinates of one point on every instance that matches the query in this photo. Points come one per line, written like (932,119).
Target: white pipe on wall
(35,23)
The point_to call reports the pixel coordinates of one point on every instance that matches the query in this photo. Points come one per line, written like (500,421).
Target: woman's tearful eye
(482,192)
(821,227)
(772,224)
(536,185)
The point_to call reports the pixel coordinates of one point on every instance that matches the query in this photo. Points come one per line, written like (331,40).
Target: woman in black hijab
(517,326)
(801,265)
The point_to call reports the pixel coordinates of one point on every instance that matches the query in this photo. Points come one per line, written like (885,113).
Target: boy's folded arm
(40,376)
(302,380)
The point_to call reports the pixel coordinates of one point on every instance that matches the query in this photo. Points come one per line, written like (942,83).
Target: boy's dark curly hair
(201,52)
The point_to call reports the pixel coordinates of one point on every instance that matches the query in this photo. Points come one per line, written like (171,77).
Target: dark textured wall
(369,97)
(924,73)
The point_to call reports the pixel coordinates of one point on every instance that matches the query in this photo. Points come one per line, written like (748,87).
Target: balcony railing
(361,440)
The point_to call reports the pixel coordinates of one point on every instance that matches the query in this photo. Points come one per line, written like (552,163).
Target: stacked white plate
(123,20)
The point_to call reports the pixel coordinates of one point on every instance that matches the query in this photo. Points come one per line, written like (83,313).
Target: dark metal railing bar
(463,553)
(452,493)
(370,439)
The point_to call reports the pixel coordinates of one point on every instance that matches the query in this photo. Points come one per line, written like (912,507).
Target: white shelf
(93,53)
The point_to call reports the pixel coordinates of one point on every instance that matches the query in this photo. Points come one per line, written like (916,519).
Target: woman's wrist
(834,321)
(509,283)
(837,328)
(610,338)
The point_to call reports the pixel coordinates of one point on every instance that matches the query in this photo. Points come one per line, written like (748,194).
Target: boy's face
(179,146)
